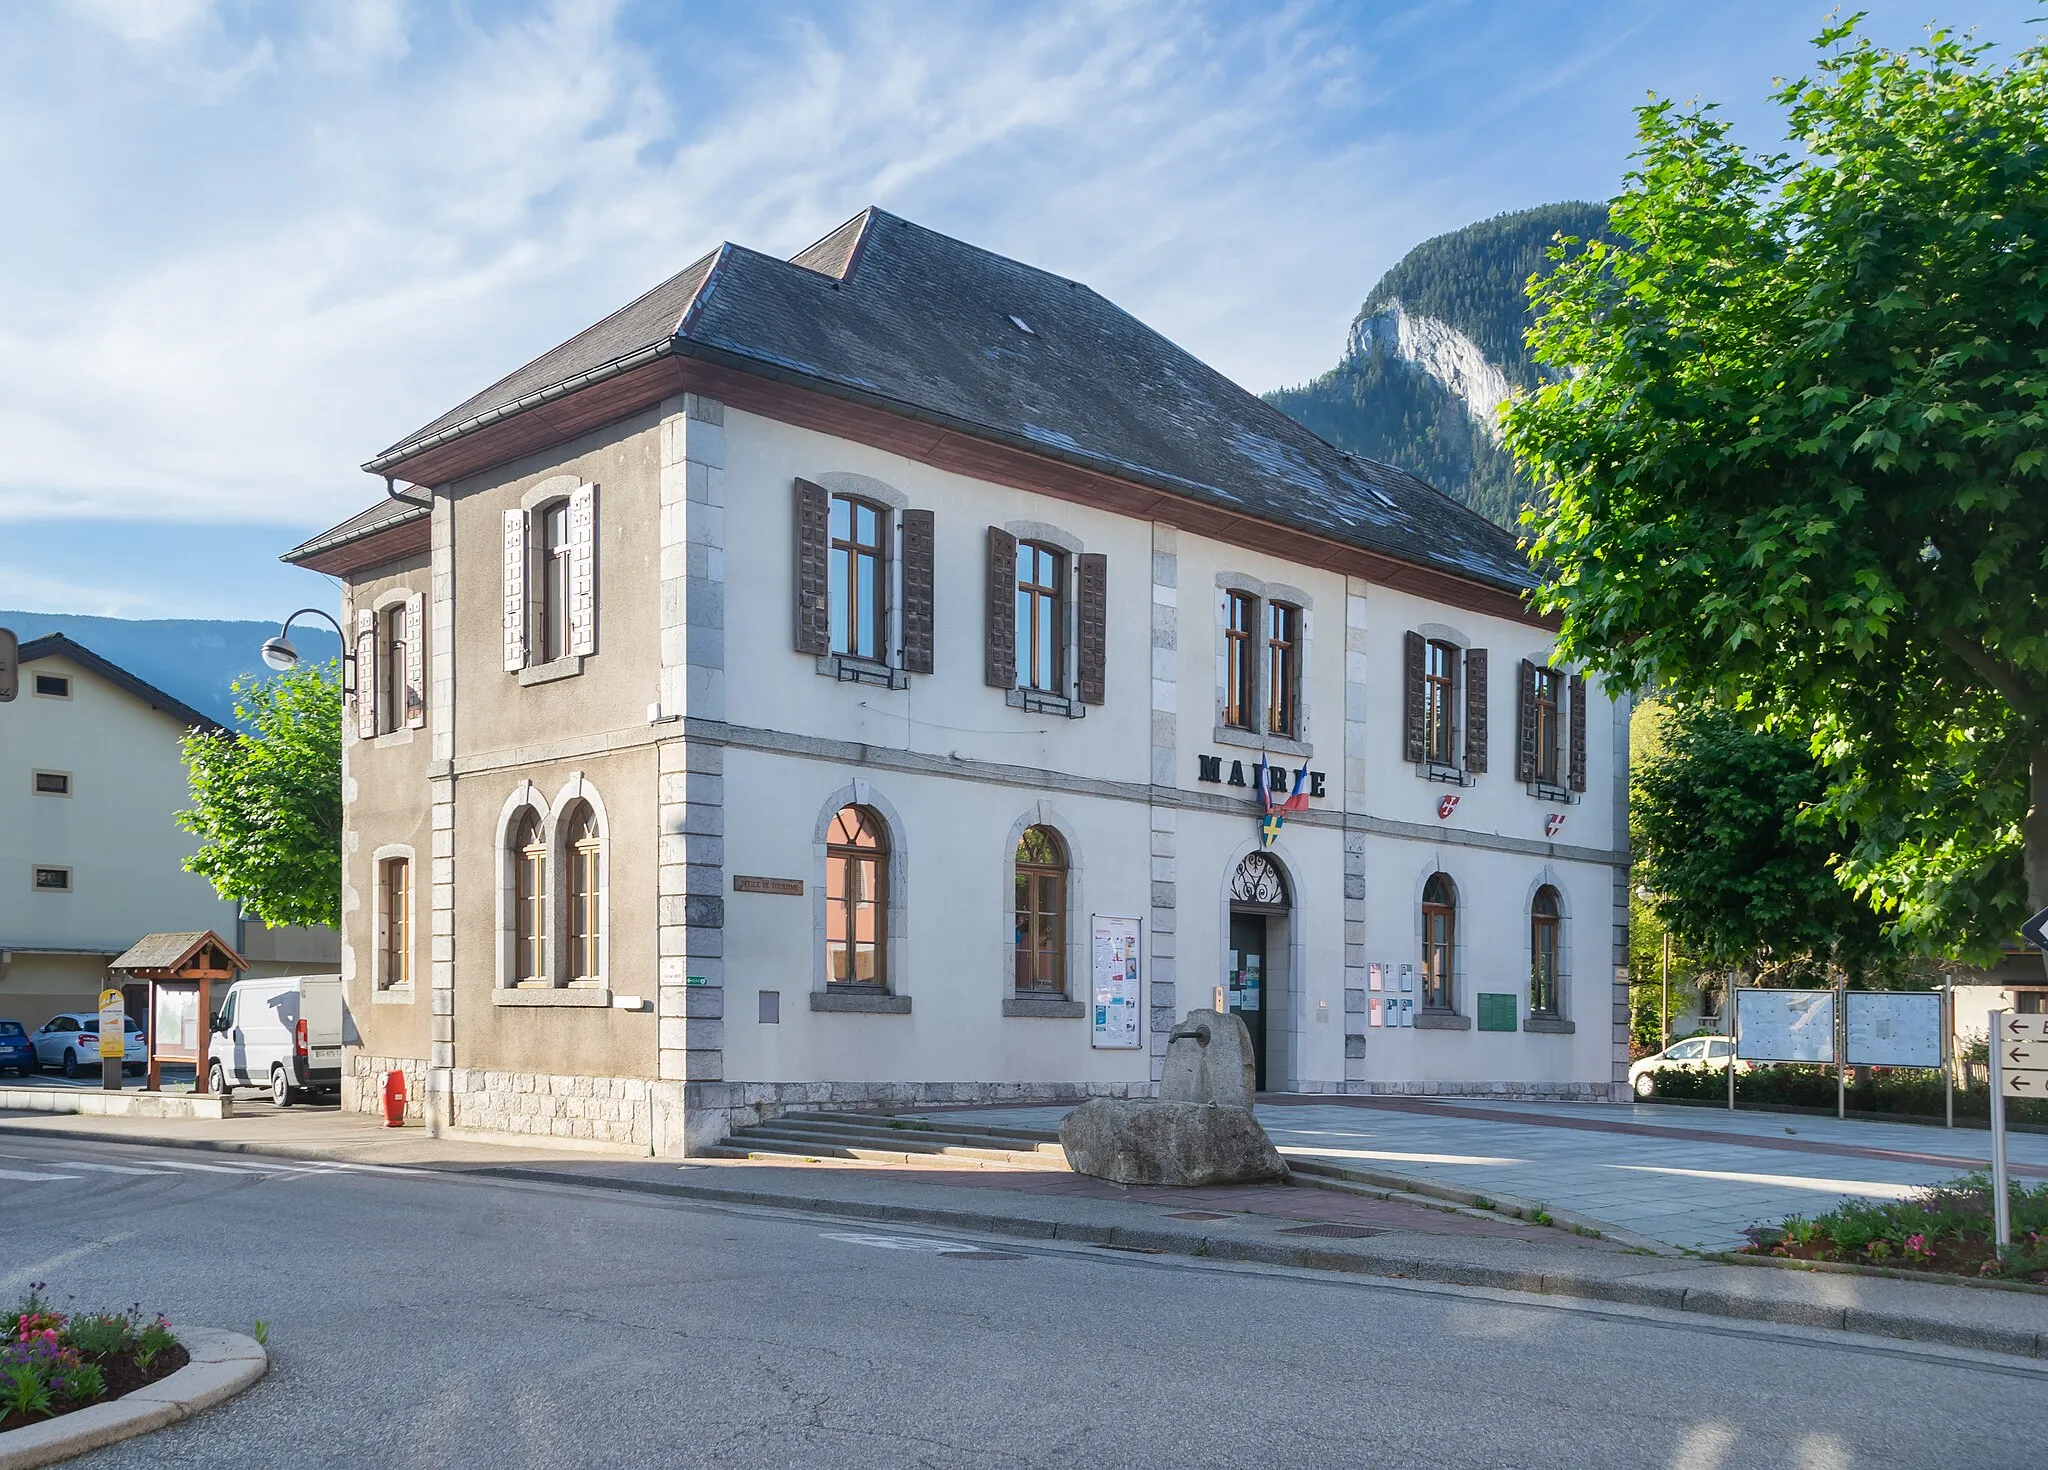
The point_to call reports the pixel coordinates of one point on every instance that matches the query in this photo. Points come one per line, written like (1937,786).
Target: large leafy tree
(266,803)
(1797,466)
(1735,867)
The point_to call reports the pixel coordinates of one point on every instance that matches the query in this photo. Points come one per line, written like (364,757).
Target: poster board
(1115,966)
(175,1034)
(1891,1028)
(1785,1025)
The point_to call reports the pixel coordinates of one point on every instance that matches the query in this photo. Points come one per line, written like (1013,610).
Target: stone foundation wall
(599,1109)
(1506,1091)
(715,1109)
(362,1084)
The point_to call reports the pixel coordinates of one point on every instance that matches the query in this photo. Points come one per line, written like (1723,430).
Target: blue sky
(252,244)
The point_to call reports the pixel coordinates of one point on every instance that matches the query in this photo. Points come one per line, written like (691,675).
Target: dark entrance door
(1246,981)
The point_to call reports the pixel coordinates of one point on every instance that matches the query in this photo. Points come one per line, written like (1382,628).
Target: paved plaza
(1691,1177)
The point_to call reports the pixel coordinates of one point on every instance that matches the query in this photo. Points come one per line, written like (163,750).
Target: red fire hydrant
(394,1099)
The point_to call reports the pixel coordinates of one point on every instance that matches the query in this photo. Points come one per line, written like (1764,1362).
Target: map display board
(1114,965)
(1785,1025)
(1892,1028)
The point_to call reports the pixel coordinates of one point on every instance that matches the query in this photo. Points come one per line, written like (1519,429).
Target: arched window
(1543,951)
(856,899)
(585,899)
(1041,935)
(529,901)
(1439,941)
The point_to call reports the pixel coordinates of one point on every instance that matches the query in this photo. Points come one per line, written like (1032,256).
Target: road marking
(901,1243)
(25,1175)
(203,1168)
(107,1168)
(1317,1151)
(1872,1188)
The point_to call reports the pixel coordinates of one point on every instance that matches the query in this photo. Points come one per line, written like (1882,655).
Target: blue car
(15,1052)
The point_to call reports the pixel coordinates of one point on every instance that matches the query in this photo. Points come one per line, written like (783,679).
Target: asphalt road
(433,1319)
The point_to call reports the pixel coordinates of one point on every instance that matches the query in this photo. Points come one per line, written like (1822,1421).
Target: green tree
(266,804)
(1797,465)
(1736,867)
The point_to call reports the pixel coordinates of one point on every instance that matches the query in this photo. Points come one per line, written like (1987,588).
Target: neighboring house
(821,681)
(91,854)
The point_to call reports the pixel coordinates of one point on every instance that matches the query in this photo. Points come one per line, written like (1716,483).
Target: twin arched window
(1040,945)
(536,961)
(857,900)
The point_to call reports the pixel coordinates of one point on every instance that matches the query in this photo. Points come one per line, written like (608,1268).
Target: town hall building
(895,675)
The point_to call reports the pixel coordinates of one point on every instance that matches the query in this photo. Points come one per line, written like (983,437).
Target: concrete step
(881,1133)
(750,1145)
(929,1125)
(816,1138)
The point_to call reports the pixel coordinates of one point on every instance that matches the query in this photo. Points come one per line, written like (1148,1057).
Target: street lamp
(281,654)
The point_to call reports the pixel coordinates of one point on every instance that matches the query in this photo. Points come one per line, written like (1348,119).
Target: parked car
(15,1052)
(283,1034)
(1694,1054)
(72,1041)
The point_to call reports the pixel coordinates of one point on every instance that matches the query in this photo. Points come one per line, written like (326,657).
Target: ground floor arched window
(857,899)
(1040,943)
(1544,919)
(1439,941)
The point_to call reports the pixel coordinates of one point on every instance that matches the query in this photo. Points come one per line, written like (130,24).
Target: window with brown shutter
(1544,706)
(811,574)
(1576,763)
(1413,722)
(1092,636)
(999,626)
(1475,711)
(858,579)
(918,538)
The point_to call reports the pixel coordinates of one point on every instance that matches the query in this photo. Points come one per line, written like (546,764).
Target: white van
(282,1034)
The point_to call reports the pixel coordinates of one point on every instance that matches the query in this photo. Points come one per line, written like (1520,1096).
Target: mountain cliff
(1435,351)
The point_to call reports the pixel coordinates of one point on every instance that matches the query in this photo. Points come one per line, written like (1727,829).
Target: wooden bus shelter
(181,970)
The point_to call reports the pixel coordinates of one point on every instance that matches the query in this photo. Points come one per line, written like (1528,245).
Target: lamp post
(281,655)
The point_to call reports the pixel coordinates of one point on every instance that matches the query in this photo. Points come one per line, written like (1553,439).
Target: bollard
(394,1099)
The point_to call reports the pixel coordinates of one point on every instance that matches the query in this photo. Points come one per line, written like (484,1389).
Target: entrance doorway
(1255,978)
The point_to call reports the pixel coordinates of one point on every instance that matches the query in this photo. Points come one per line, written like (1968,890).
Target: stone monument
(1200,1129)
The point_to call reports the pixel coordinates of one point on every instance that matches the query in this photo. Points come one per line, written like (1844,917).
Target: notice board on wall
(1890,1028)
(1118,992)
(1785,1025)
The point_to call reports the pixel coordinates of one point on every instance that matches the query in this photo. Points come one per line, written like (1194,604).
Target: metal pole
(2001,1205)
(1664,1030)
(1948,1050)
(1733,1023)
(1841,1049)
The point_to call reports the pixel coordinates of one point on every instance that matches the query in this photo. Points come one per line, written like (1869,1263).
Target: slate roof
(56,645)
(907,319)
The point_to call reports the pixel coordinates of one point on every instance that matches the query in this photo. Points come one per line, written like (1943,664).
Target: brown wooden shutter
(1413,651)
(583,570)
(515,590)
(367,682)
(1475,711)
(1576,762)
(1093,617)
(999,632)
(1525,723)
(416,661)
(918,535)
(812,568)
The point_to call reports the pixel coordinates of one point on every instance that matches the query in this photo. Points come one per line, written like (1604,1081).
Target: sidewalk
(1276,1226)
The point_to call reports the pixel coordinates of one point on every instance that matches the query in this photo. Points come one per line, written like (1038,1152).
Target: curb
(223,1364)
(1704,1301)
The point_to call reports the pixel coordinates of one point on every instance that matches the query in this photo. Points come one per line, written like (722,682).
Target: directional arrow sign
(2013,1028)
(2031,1056)
(2035,930)
(2026,1084)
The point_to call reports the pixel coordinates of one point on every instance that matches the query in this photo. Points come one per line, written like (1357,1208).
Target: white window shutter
(583,570)
(515,590)
(416,660)
(367,681)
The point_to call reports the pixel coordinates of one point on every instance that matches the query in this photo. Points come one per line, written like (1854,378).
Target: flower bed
(56,1362)
(1946,1228)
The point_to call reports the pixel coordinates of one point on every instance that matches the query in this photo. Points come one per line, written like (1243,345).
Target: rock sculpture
(1200,1130)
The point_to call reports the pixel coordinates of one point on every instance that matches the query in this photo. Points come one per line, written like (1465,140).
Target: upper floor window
(1439,941)
(1040,946)
(1545,710)
(1041,618)
(1439,693)
(1543,952)
(391,667)
(553,599)
(1240,672)
(856,899)
(580,851)
(529,901)
(1283,669)
(551,580)
(53,686)
(859,558)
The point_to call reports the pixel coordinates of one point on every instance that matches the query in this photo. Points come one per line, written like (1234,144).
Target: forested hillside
(1435,348)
